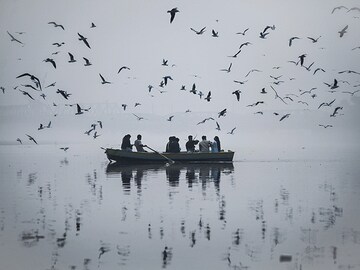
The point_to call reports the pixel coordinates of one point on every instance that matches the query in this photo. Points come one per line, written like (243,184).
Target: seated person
(173,145)
(204,145)
(126,144)
(190,144)
(138,144)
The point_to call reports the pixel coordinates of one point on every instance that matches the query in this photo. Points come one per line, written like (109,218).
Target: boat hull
(127,157)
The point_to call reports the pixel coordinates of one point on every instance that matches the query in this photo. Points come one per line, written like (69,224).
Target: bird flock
(329,87)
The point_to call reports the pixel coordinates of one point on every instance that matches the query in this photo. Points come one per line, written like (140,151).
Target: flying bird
(326,104)
(291,40)
(214,34)
(325,126)
(277,95)
(255,104)
(222,113)
(263,91)
(19,140)
(84,39)
(31,138)
(251,71)
(103,81)
(50,60)
(206,119)
(334,85)
(351,93)
(285,116)
(314,40)
(338,8)
(57,25)
(64,148)
(232,131)
(318,69)
(72,59)
(302,58)
(32,78)
(138,117)
(218,126)
(78,110)
(64,93)
(199,32)
(166,78)
(343,31)
(172,13)
(92,25)
(336,111)
(208,97)
(170,118)
(237,94)
(123,67)
(26,94)
(14,39)
(243,32)
(87,62)
(58,44)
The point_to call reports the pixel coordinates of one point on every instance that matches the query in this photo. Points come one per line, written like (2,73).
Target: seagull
(57,25)
(206,119)
(50,85)
(292,39)
(63,93)
(170,118)
(263,35)
(33,78)
(232,131)
(263,91)
(303,102)
(349,72)
(84,39)
(218,126)
(2,89)
(309,67)
(123,67)
(100,123)
(199,32)
(64,148)
(137,104)
(95,135)
(214,34)
(124,106)
(326,104)
(235,55)
(325,126)
(78,110)
(240,82)
(302,57)
(314,40)
(14,39)
(343,31)
(41,127)
(31,139)
(251,71)
(334,85)
(276,95)
(26,94)
(57,44)
(237,94)
(208,97)
(50,60)
(243,32)
(87,62)
(166,78)
(351,93)
(307,92)
(285,116)
(318,69)
(72,59)
(103,81)
(29,86)
(92,25)
(255,104)
(19,140)
(336,111)
(172,13)
(339,7)
(244,44)
(222,113)
(354,8)
(276,78)
(138,117)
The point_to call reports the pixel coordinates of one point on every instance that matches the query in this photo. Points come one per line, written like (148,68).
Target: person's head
(190,137)
(177,139)
(139,137)
(216,138)
(128,136)
(203,137)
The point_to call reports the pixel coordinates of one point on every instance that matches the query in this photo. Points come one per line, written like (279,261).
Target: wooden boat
(128,157)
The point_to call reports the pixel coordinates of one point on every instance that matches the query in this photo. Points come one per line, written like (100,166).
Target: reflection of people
(215,145)
(173,176)
(126,144)
(204,145)
(138,144)
(190,144)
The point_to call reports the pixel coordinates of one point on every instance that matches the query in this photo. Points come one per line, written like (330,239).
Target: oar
(171,161)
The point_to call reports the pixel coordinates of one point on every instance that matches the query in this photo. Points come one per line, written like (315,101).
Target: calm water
(70,210)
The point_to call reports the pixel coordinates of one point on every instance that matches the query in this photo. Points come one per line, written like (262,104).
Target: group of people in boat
(173,145)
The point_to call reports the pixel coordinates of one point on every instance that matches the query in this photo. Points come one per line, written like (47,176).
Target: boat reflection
(200,173)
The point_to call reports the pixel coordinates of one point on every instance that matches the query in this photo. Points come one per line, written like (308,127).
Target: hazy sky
(139,35)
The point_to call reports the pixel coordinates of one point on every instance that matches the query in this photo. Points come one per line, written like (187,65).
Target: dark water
(71,210)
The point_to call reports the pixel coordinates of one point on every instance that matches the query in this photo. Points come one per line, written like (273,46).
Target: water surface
(71,210)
